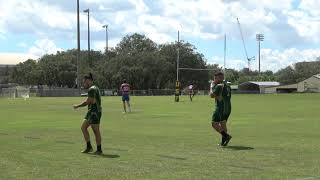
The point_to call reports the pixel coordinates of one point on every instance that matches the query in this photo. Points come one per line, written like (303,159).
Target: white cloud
(15,58)
(141,7)
(95,25)
(42,19)
(101,45)
(23,45)
(275,59)
(306,25)
(285,25)
(310,6)
(42,47)
(232,63)
(28,14)
(2,35)
(210,19)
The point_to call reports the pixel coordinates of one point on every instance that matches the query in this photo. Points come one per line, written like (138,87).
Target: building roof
(285,86)
(265,83)
(317,76)
(234,87)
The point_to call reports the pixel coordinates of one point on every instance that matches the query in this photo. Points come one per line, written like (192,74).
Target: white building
(256,87)
(311,84)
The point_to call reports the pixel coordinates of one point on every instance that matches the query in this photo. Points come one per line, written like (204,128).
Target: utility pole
(89,55)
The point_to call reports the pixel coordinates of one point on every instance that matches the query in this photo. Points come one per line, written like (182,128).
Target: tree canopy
(145,64)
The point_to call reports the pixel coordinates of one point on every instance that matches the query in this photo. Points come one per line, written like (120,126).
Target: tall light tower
(107,39)
(78,48)
(88,11)
(259,37)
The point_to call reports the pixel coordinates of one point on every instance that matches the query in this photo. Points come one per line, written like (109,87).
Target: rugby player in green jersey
(221,91)
(93,115)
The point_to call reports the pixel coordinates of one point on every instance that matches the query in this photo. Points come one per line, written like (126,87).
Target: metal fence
(68,92)
(14,92)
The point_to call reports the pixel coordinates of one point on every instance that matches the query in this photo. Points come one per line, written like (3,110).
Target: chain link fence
(21,92)
(68,92)
(15,92)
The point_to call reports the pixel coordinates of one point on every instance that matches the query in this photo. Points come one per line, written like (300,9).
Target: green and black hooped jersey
(94,92)
(223,93)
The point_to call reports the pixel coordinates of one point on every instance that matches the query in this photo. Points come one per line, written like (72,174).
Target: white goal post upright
(17,92)
(177,94)
(225,54)
(178,55)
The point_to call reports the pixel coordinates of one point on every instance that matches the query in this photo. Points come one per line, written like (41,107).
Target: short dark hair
(218,74)
(124,81)
(88,76)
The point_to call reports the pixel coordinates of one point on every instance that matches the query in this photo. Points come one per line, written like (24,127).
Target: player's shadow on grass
(110,156)
(239,148)
(117,149)
(64,142)
(30,137)
(171,157)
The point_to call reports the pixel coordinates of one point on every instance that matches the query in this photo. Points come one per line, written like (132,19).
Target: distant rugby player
(221,91)
(93,115)
(191,91)
(125,90)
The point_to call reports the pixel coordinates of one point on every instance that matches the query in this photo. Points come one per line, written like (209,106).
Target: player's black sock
(99,148)
(89,145)
(224,134)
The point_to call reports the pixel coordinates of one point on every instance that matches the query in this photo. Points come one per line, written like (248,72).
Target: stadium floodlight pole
(259,37)
(107,39)
(78,49)
(88,11)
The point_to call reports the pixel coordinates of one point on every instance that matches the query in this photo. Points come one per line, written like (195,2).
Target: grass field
(275,137)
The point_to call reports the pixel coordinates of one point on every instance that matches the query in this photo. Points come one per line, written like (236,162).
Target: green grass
(275,137)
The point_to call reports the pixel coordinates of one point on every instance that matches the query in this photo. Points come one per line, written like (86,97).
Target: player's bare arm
(87,102)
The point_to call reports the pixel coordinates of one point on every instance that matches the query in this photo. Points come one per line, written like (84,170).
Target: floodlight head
(105,26)
(260,37)
(86,11)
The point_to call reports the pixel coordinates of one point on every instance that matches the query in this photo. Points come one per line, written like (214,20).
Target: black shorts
(220,115)
(93,117)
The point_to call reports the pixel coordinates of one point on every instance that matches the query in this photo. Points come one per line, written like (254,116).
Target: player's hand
(212,95)
(75,107)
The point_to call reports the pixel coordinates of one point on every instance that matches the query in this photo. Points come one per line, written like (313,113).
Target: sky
(32,28)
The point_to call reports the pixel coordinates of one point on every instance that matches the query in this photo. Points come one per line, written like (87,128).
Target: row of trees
(145,64)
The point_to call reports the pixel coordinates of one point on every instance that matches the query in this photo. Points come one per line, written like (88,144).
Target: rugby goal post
(13,93)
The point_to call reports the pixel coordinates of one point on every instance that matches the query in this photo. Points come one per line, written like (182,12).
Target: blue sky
(31,28)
